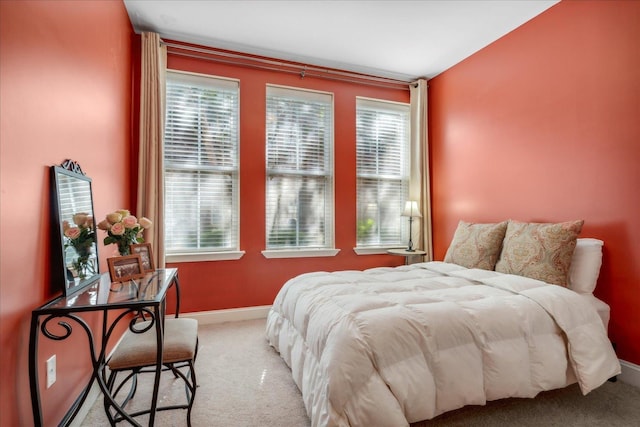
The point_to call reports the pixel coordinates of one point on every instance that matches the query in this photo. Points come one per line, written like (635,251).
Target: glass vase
(123,247)
(83,264)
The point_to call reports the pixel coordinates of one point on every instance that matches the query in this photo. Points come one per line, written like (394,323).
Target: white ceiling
(395,39)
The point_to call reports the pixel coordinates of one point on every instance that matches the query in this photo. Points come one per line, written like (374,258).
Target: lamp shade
(411,209)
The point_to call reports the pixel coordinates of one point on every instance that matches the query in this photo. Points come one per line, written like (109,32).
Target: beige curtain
(419,187)
(150,201)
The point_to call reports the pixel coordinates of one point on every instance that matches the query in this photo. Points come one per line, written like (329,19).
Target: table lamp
(411,210)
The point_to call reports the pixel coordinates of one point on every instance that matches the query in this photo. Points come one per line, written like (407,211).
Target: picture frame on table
(146,254)
(124,268)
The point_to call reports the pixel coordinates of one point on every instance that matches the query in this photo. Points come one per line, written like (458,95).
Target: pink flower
(123,228)
(114,217)
(65,225)
(145,222)
(129,221)
(117,229)
(80,219)
(72,232)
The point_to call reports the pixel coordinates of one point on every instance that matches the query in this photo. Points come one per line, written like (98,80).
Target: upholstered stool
(136,353)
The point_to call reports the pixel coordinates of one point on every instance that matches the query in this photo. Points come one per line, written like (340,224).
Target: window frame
(329,234)
(405,109)
(208,254)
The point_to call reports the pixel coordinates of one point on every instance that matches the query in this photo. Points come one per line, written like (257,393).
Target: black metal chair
(137,353)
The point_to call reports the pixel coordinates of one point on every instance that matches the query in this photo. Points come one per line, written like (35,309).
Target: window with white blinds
(382,168)
(201,164)
(299,155)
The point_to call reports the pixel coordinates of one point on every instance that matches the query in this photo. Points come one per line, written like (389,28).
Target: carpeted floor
(243,382)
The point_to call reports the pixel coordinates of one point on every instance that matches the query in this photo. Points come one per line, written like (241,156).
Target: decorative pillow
(476,245)
(585,265)
(539,251)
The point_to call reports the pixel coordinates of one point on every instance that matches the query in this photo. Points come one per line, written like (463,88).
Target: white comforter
(392,346)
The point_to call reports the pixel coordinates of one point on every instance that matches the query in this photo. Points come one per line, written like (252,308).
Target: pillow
(585,265)
(476,245)
(539,251)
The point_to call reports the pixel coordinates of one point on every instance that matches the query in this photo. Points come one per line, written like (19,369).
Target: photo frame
(146,253)
(124,268)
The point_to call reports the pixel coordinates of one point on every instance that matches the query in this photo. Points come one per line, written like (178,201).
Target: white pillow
(585,265)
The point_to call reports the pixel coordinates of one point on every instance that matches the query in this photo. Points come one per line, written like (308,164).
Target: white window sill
(299,253)
(205,256)
(375,250)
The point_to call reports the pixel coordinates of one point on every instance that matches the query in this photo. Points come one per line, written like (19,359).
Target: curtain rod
(212,54)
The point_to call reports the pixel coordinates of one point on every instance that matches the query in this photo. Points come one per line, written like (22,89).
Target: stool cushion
(139,350)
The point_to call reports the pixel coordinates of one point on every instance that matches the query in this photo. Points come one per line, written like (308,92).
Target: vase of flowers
(123,229)
(80,236)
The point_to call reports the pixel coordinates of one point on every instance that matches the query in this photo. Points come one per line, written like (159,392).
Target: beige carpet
(244,383)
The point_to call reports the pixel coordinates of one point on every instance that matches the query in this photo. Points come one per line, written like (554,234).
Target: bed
(390,346)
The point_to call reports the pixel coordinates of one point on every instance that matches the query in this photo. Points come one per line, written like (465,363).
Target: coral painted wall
(65,92)
(541,125)
(254,280)
(544,125)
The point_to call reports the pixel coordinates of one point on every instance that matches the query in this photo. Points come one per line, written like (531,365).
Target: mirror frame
(62,278)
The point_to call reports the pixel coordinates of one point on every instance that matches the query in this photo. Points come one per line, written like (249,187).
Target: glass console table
(126,302)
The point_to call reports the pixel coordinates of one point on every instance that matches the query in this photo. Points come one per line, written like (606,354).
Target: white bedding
(392,346)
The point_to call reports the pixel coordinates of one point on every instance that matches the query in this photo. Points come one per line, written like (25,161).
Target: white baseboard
(630,373)
(229,315)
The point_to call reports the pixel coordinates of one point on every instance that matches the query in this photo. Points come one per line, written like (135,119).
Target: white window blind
(299,155)
(201,164)
(382,168)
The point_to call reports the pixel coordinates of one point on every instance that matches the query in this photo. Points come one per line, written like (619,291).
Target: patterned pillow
(539,251)
(476,245)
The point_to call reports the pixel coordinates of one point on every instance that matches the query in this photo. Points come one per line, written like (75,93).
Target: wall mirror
(74,250)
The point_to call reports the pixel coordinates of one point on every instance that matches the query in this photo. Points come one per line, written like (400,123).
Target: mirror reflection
(76,261)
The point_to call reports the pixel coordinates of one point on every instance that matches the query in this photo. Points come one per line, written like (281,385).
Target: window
(201,164)
(299,155)
(382,168)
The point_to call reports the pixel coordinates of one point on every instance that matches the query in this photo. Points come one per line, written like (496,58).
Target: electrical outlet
(51,370)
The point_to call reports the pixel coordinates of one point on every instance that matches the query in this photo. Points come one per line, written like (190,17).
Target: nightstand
(406,254)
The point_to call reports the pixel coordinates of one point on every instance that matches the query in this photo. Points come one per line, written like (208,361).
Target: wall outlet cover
(51,370)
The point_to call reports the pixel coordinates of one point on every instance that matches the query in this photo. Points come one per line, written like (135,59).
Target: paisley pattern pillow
(476,245)
(540,251)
